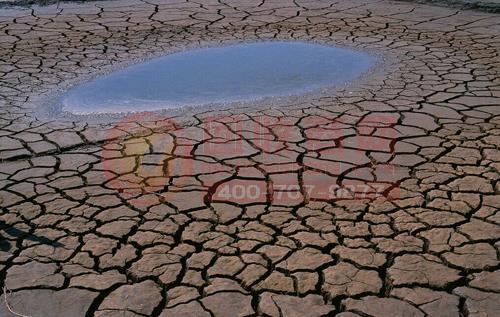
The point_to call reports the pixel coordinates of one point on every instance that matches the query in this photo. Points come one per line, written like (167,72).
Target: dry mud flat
(483,5)
(379,200)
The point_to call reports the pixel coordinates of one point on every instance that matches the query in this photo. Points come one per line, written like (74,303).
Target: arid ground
(380,198)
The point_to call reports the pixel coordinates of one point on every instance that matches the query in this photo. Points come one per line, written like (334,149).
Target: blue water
(231,73)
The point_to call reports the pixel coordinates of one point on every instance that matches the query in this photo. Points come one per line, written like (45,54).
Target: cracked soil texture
(232,213)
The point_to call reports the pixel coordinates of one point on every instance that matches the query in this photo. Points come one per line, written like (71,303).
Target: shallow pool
(222,74)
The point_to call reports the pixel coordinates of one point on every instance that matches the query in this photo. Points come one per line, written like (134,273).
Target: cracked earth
(139,217)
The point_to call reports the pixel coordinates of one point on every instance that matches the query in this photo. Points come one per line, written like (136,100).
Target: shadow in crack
(20,234)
